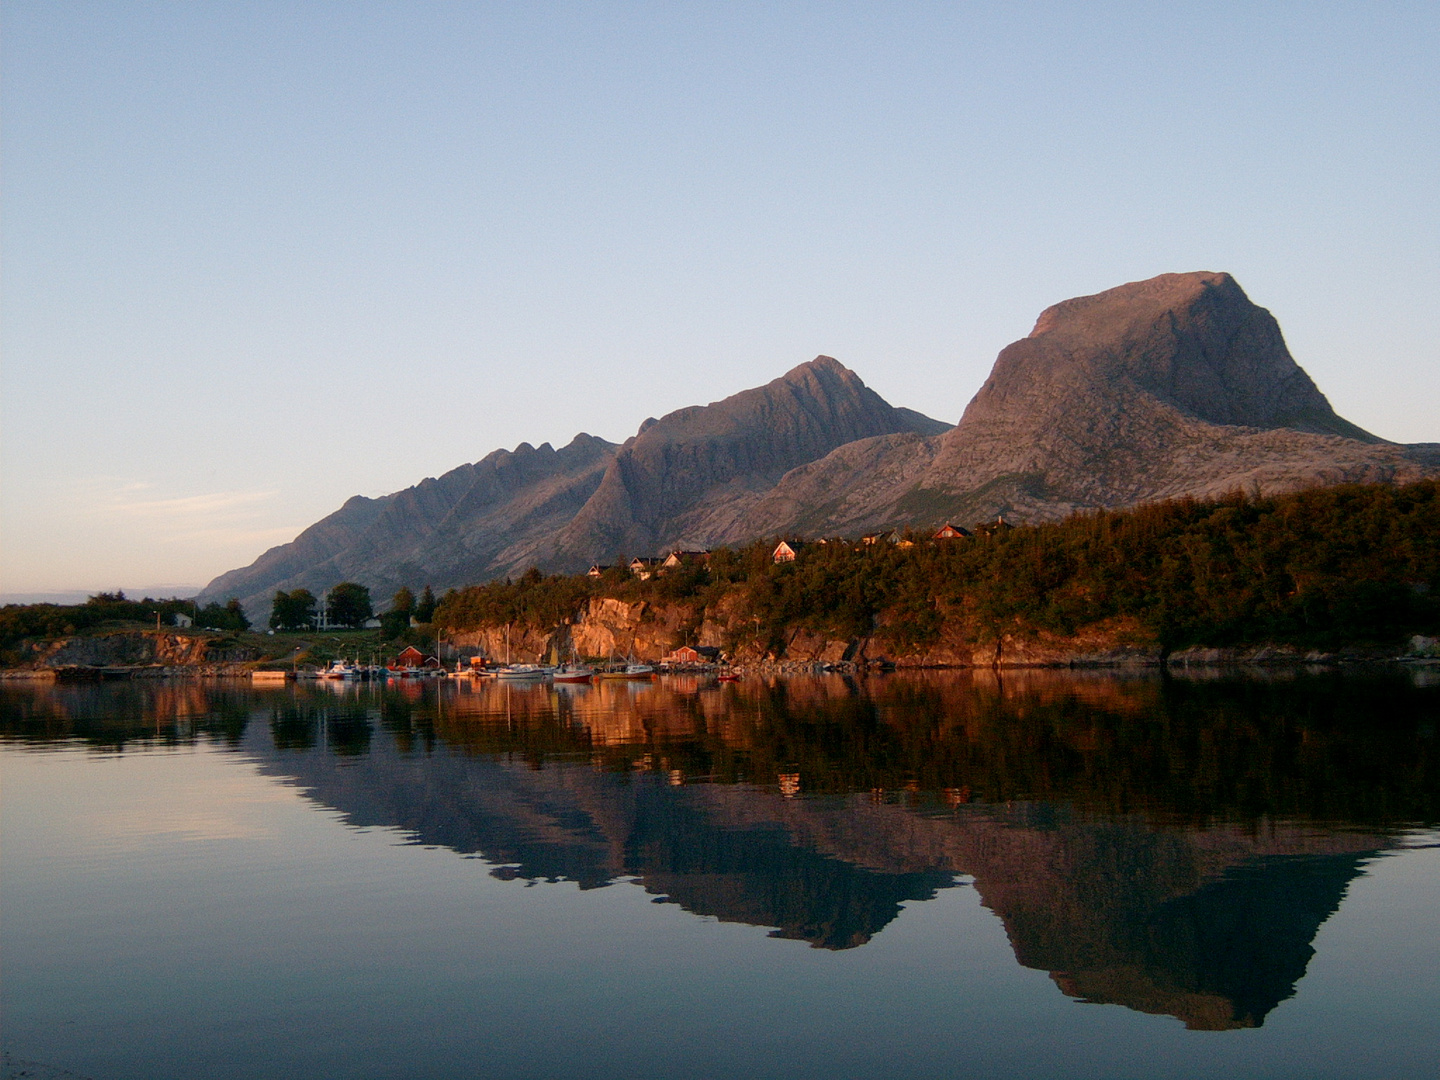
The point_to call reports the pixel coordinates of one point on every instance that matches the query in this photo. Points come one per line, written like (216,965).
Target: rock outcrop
(135,649)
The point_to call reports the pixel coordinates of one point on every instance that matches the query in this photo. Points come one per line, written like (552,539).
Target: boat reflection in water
(1167,845)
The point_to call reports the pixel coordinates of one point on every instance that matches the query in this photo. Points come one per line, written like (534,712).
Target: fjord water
(1029,874)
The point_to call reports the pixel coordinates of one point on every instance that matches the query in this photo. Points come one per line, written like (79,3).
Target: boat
(573,672)
(628,671)
(339,669)
(523,671)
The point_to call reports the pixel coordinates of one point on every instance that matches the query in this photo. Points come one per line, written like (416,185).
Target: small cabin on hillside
(596,570)
(680,556)
(950,532)
(890,536)
(993,528)
(786,550)
(643,568)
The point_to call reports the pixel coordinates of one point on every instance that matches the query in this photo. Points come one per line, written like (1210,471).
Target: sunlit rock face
(1175,386)
(683,480)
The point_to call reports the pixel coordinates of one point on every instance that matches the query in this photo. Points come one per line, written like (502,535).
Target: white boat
(339,669)
(573,673)
(523,671)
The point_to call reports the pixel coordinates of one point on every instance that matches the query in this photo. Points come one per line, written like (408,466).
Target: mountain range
(1174,386)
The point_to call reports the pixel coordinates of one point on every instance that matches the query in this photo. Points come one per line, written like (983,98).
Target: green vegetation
(425,609)
(402,607)
(228,616)
(107,613)
(293,610)
(348,604)
(21,621)
(1323,568)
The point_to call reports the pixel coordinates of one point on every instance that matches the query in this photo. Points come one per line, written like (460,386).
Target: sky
(257,258)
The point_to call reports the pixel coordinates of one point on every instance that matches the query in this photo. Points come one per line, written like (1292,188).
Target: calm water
(1038,875)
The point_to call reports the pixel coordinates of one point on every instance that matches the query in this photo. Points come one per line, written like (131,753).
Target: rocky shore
(649,632)
(613,628)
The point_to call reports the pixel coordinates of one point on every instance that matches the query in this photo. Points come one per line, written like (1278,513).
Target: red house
(950,532)
(410,657)
(693,654)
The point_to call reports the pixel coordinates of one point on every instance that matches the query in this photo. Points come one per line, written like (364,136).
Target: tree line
(1321,568)
(349,604)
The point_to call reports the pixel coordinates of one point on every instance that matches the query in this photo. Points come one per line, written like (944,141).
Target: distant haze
(79,596)
(261,258)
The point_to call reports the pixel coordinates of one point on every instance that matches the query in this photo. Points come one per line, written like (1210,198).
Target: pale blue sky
(261,257)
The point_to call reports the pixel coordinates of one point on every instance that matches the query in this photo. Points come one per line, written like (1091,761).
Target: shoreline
(1236,660)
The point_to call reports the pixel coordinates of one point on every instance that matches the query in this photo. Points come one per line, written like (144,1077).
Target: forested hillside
(1323,568)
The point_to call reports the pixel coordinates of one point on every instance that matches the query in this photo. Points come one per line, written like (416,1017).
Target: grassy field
(285,648)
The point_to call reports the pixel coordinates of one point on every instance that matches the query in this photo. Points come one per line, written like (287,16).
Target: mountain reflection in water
(1167,845)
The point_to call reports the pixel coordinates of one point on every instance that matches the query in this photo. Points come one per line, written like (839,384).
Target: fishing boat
(573,673)
(628,671)
(517,672)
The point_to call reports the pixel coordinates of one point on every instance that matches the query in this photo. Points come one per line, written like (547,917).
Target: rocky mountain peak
(670,478)
(1193,342)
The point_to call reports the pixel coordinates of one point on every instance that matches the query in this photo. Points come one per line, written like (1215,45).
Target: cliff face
(134,648)
(1175,386)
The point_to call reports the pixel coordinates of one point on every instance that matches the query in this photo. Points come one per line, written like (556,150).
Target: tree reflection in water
(1171,845)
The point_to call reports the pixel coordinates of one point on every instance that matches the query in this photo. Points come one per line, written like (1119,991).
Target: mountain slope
(681,480)
(1174,386)
(472,524)
(687,477)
